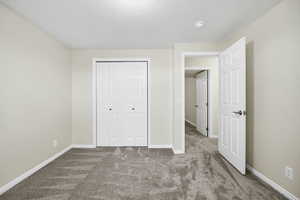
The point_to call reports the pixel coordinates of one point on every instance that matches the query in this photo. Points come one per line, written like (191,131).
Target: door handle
(238,112)
(196,106)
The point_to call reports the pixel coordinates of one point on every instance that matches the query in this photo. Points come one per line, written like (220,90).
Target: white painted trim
(144,59)
(182,70)
(201,53)
(274,185)
(94,92)
(160,146)
(94,102)
(28,173)
(149,99)
(83,146)
(178,151)
(196,68)
(192,123)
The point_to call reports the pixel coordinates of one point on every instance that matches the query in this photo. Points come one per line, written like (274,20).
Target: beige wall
(160,92)
(35,83)
(211,63)
(35,96)
(178,89)
(190,100)
(273,93)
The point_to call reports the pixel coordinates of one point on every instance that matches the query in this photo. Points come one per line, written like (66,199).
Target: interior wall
(35,96)
(190,100)
(160,92)
(178,89)
(273,93)
(212,64)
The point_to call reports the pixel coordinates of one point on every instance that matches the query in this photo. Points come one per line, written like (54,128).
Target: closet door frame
(94,93)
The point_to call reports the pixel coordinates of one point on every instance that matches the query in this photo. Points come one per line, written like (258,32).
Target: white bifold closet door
(122,103)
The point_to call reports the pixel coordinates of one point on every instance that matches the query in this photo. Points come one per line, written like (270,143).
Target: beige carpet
(139,173)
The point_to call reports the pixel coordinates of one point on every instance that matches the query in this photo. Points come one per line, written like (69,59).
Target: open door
(201,107)
(232,140)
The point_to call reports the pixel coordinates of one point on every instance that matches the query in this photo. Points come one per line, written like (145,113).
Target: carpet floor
(142,174)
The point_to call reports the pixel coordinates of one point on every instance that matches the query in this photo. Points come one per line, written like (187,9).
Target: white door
(232,140)
(122,104)
(201,107)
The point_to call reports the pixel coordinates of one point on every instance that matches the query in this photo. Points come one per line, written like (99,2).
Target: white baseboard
(213,136)
(83,146)
(176,151)
(274,185)
(31,171)
(159,146)
(28,173)
(188,121)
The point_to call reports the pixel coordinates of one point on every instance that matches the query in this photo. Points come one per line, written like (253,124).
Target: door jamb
(94,93)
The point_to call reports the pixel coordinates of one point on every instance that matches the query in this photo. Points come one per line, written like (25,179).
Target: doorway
(202,94)
(196,99)
(232,97)
(121,103)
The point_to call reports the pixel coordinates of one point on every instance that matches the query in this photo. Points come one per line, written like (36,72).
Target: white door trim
(183,55)
(94,93)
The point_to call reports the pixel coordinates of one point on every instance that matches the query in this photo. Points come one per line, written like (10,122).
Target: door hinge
(206,104)
(206,129)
